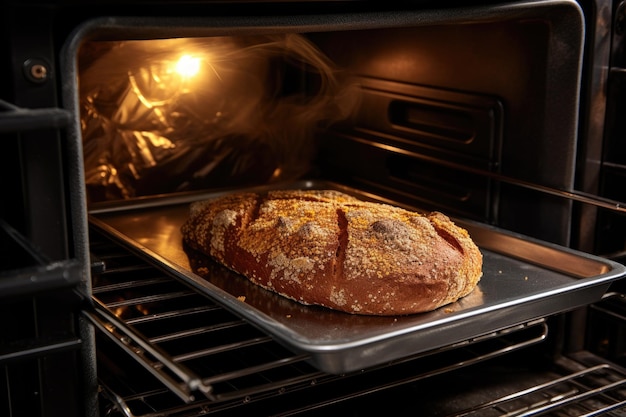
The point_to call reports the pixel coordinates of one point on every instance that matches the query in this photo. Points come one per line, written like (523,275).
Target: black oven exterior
(569,190)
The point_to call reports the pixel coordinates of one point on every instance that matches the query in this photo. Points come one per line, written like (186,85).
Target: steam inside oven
(160,116)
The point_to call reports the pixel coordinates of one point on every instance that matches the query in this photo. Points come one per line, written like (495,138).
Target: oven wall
(451,114)
(474,113)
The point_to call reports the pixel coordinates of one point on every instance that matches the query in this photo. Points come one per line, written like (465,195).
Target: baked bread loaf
(327,248)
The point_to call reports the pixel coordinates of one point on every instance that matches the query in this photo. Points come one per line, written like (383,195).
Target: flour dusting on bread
(328,248)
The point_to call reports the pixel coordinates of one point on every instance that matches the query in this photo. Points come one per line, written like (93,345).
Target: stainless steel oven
(117,115)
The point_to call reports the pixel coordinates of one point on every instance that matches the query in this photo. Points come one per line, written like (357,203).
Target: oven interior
(480,112)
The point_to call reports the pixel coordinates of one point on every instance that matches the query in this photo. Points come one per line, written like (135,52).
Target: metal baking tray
(523,279)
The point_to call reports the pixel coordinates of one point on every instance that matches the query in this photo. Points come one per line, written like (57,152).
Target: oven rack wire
(130,296)
(129,300)
(589,199)
(593,391)
(206,358)
(306,380)
(14,118)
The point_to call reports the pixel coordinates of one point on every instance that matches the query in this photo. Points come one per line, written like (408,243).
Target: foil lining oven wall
(504,115)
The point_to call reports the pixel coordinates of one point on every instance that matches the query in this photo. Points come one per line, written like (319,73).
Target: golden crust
(331,249)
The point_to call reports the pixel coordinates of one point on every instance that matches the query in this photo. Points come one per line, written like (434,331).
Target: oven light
(188,66)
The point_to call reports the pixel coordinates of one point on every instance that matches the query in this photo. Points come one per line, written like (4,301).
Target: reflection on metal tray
(522,279)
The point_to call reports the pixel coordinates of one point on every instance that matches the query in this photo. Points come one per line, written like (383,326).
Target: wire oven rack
(592,391)
(189,356)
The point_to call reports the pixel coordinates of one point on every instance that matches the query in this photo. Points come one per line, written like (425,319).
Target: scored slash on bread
(328,248)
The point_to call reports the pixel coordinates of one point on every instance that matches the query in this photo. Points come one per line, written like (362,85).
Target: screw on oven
(36,70)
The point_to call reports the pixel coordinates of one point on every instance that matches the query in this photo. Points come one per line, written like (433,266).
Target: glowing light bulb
(188,66)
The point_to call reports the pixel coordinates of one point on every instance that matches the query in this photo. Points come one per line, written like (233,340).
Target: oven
(116,116)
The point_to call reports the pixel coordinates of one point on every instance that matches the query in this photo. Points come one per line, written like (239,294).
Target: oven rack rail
(18,119)
(583,391)
(30,271)
(29,279)
(305,381)
(572,195)
(207,357)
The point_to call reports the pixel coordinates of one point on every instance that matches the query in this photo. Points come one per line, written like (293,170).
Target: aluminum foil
(161,116)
